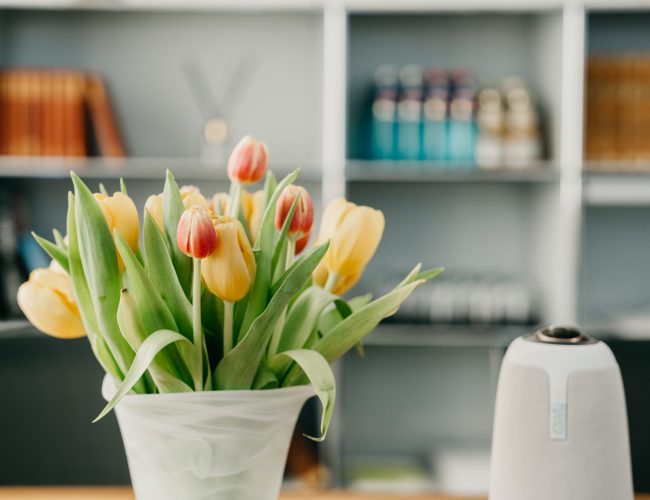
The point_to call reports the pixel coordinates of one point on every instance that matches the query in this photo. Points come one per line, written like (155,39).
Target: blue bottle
(435,113)
(383,124)
(409,114)
(462,124)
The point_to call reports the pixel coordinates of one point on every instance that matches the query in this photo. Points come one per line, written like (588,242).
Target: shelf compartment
(423,171)
(616,190)
(491,45)
(276,81)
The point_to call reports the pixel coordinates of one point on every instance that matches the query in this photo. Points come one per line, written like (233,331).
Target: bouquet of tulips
(219,294)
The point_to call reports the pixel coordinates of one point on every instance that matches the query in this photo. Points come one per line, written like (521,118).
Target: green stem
(331,282)
(233,208)
(196,321)
(227,327)
(277,332)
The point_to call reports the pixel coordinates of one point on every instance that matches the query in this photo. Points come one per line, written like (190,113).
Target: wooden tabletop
(79,493)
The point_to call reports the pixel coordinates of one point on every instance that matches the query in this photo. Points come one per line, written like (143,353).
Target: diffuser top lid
(556,334)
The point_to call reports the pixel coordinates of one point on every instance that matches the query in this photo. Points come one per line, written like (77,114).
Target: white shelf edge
(451,6)
(132,168)
(617,190)
(423,171)
(167,5)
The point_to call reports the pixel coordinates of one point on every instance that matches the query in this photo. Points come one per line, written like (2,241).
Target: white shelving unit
(316,55)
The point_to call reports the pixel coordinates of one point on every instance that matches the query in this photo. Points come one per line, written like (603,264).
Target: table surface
(78,493)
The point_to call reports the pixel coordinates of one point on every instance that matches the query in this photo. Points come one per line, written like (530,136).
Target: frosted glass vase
(208,445)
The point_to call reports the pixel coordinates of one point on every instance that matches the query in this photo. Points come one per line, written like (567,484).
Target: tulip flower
(154,205)
(303,216)
(191,195)
(354,233)
(196,236)
(121,215)
(47,299)
(229,271)
(248,161)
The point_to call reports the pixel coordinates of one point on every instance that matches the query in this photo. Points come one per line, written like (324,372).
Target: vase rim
(298,389)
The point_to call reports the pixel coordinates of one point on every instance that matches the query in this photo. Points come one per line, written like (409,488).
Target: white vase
(208,445)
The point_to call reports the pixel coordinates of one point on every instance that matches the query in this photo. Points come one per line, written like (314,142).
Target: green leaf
(123,186)
(134,331)
(153,312)
(237,369)
(259,293)
(265,379)
(163,276)
(53,251)
(355,327)
(320,374)
(143,358)
(332,317)
(173,208)
(427,275)
(99,262)
(301,322)
(59,240)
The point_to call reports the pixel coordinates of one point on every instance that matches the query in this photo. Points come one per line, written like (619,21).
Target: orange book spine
(73,114)
(102,118)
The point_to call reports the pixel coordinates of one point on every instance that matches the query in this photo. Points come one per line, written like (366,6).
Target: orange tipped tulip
(303,216)
(195,235)
(248,161)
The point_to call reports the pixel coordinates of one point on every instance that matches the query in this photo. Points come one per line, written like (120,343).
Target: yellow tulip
(154,205)
(354,233)
(229,271)
(220,203)
(254,218)
(47,299)
(121,215)
(197,199)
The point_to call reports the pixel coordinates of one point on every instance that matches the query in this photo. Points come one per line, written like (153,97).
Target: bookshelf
(554,225)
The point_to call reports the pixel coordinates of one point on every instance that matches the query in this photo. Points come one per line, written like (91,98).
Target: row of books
(617,122)
(56,112)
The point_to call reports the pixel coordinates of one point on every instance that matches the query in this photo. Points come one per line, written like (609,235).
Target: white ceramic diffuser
(560,424)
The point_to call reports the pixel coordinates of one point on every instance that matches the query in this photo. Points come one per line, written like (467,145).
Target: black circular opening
(562,332)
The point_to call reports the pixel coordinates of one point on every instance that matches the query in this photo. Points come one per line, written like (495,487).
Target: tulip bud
(195,235)
(48,301)
(354,233)
(248,161)
(121,215)
(154,205)
(229,270)
(303,216)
